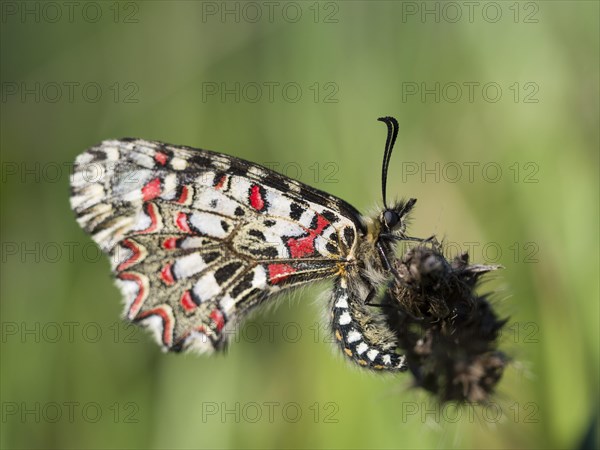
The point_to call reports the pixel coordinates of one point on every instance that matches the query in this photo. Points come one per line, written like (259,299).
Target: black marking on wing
(239,166)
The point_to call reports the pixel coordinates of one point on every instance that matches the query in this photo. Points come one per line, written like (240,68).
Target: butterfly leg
(369,300)
(386,262)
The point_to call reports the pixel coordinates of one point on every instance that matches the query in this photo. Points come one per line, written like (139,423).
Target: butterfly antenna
(392,125)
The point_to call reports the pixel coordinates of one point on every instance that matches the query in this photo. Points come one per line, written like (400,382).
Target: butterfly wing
(197,239)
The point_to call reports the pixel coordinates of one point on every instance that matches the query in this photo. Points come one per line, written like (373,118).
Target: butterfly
(198,239)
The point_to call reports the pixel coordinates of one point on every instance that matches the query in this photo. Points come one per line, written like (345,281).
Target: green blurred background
(201,74)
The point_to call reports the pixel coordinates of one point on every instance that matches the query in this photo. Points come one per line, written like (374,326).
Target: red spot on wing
(218,319)
(301,247)
(182,222)
(221,182)
(161,158)
(184,195)
(133,258)
(188,302)
(151,211)
(256,199)
(166,274)
(279,272)
(306,245)
(322,223)
(167,321)
(170,243)
(137,302)
(151,190)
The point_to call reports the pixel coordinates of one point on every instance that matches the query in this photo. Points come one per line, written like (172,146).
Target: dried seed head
(448,332)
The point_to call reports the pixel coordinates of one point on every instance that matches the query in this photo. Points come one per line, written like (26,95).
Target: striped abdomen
(362,336)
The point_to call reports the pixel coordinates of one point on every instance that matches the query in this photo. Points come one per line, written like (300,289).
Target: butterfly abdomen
(361,336)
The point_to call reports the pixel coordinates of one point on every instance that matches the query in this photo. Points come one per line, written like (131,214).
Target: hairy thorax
(370,262)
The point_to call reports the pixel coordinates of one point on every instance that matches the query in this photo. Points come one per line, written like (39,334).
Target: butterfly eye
(391,218)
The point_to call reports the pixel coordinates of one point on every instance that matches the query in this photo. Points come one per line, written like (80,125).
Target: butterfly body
(197,239)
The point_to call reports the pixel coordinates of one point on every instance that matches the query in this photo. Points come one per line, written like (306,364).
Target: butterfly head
(394,219)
